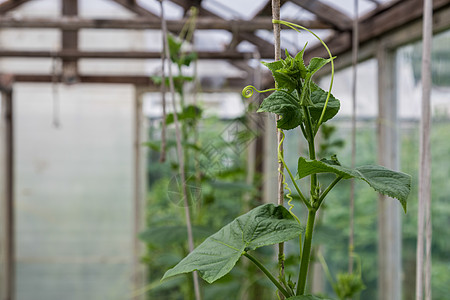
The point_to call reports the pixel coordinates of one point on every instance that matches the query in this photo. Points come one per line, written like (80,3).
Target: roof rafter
(75,54)
(233,83)
(262,44)
(66,23)
(373,26)
(10,5)
(136,8)
(326,13)
(266,10)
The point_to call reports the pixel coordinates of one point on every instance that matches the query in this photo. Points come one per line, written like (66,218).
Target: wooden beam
(10,5)
(266,10)
(410,33)
(208,84)
(7,290)
(262,44)
(326,13)
(385,22)
(389,210)
(136,8)
(139,193)
(73,23)
(74,54)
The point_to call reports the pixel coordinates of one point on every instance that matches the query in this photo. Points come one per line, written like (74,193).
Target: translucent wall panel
(74,192)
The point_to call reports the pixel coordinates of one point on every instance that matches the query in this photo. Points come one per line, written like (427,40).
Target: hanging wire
(355,46)
(162,157)
(180,153)
(55,93)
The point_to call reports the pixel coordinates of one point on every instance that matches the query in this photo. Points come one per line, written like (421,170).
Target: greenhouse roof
(234,31)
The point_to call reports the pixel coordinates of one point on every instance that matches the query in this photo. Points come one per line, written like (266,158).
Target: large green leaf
(286,105)
(216,256)
(318,98)
(307,297)
(385,181)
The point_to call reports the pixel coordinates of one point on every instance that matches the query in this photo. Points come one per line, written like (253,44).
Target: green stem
(306,253)
(329,188)
(267,273)
(312,152)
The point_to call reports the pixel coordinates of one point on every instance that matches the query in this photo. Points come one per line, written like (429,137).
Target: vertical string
(180,154)
(162,157)
(55,93)
(355,46)
(424,209)
(280,195)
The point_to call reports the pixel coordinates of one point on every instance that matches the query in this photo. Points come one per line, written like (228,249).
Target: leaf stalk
(268,274)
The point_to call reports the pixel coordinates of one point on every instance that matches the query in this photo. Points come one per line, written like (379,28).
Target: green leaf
(307,297)
(285,105)
(284,81)
(216,256)
(185,59)
(190,113)
(385,181)
(318,98)
(348,285)
(174,48)
(273,66)
(316,63)
(301,63)
(305,96)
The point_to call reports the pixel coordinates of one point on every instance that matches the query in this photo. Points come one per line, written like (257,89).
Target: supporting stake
(424,209)
(280,197)
(355,44)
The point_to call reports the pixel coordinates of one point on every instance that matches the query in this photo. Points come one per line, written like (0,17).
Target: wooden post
(389,212)
(423,267)
(70,42)
(7,199)
(139,193)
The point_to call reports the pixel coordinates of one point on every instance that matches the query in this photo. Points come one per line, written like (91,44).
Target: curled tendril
(286,186)
(248,91)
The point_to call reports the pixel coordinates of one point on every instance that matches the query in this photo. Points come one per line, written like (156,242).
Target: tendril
(286,186)
(248,91)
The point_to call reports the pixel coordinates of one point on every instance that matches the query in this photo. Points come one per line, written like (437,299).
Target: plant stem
(306,253)
(312,151)
(329,188)
(268,274)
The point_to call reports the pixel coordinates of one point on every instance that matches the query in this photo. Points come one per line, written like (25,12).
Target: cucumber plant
(301,104)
